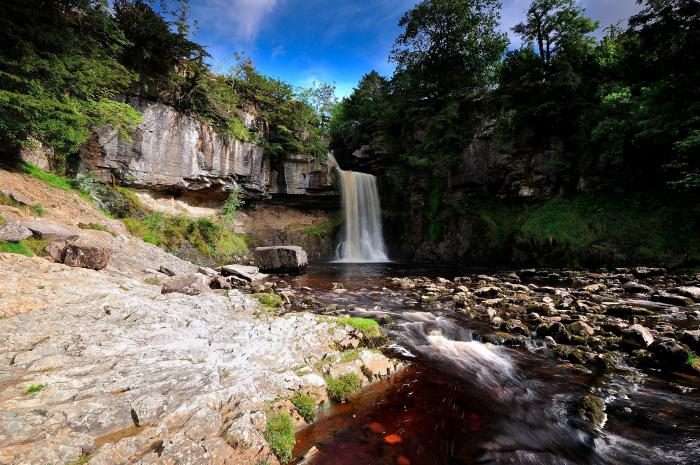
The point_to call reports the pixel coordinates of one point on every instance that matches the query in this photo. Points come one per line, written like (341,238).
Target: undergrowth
(305,405)
(340,389)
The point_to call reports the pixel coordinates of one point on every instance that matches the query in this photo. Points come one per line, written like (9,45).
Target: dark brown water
(466,402)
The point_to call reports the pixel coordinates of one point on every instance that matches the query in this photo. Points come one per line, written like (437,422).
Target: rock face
(173,152)
(281,259)
(50,231)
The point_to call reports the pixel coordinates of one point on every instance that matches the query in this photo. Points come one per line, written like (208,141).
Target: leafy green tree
(551,26)
(58,74)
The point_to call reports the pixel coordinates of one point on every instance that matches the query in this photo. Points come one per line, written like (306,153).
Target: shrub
(340,389)
(305,405)
(279,434)
(231,206)
(39,209)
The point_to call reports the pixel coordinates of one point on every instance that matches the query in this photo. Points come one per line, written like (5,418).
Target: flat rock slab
(50,231)
(102,350)
(19,198)
(189,284)
(250,274)
(281,259)
(14,232)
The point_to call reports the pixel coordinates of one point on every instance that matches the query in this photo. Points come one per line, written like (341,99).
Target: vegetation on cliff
(622,110)
(616,115)
(64,66)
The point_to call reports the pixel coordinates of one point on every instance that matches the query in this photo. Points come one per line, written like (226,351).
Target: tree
(553,25)
(450,47)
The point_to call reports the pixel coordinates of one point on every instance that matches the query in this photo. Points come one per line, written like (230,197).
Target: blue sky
(307,41)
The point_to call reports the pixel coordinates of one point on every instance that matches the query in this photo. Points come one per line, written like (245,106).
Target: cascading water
(362,240)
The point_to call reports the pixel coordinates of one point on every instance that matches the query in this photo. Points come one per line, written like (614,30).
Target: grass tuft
(369,328)
(279,434)
(15,247)
(33,389)
(340,389)
(305,405)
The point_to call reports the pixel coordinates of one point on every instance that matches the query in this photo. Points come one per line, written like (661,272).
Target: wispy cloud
(242,20)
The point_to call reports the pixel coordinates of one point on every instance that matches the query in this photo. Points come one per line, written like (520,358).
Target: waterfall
(362,240)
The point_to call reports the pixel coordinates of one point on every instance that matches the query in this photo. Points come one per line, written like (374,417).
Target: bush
(340,389)
(305,405)
(279,434)
(231,206)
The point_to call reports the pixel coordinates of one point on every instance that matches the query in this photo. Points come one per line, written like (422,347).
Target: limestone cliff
(177,153)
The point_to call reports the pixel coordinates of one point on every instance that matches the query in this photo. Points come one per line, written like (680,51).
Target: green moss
(93,226)
(81,461)
(33,389)
(279,434)
(2,220)
(368,328)
(326,229)
(305,405)
(340,389)
(15,247)
(694,361)
(269,300)
(349,356)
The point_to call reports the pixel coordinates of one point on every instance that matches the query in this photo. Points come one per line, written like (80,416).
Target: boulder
(632,287)
(645,272)
(672,299)
(14,232)
(285,259)
(692,292)
(249,274)
(50,231)
(637,336)
(190,284)
(670,353)
(487,291)
(19,198)
(86,254)
(581,328)
(594,288)
(692,338)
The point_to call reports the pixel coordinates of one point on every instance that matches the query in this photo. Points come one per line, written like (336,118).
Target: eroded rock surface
(103,364)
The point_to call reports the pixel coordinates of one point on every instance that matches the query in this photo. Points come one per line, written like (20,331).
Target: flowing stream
(362,240)
(464,400)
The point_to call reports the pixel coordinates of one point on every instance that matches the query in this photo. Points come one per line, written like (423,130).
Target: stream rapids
(467,400)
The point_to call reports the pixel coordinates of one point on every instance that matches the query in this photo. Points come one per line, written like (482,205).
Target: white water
(362,240)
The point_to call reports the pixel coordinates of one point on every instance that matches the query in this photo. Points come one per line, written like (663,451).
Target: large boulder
(190,284)
(14,232)
(86,254)
(692,292)
(281,259)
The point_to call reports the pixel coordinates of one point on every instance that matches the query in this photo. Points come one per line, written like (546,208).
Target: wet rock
(580,328)
(249,274)
(691,292)
(14,232)
(281,259)
(632,287)
(645,272)
(672,299)
(516,326)
(627,311)
(670,354)
(189,284)
(50,231)
(592,408)
(594,288)
(86,254)
(692,339)
(487,292)
(637,337)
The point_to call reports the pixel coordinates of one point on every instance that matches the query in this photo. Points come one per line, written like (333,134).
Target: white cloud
(241,19)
